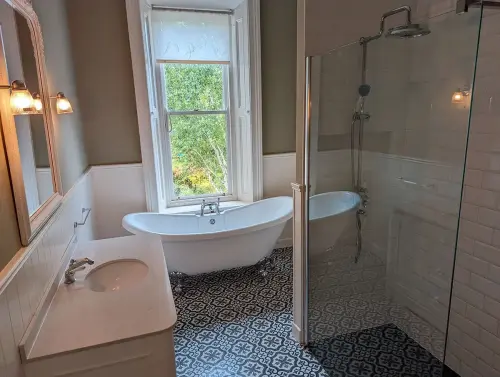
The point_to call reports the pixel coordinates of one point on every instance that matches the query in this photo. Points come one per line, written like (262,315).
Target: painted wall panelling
(24,281)
(117,190)
(111,202)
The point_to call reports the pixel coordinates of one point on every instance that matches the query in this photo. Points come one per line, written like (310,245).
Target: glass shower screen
(388,140)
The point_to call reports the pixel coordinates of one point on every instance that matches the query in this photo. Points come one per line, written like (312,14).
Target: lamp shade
(63,105)
(37,102)
(21,101)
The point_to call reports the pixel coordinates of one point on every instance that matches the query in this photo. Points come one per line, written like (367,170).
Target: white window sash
(173,200)
(198,112)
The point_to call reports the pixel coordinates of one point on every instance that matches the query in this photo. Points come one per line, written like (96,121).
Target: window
(202,138)
(193,57)
(197,110)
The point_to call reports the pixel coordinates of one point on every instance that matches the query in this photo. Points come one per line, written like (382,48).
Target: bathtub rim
(334,193)
(165,237)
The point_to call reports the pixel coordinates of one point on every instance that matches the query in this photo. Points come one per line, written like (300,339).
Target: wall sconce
(37,103)
(21,101)
(460,96)
(62,104)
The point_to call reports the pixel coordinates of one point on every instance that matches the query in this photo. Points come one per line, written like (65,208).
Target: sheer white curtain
(191,36)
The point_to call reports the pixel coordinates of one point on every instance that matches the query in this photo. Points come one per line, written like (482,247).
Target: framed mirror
(26,118)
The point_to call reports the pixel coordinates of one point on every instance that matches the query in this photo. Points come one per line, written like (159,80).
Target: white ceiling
(199,4)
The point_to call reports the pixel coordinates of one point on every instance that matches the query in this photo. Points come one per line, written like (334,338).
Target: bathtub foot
(178,278)
(266,266)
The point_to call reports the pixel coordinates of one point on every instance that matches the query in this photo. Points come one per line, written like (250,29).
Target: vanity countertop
(79,318)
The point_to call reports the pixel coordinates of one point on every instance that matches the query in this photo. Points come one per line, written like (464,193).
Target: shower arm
(385,16)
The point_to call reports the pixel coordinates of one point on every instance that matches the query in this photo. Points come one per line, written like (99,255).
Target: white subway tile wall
(22,293)
(475,340)
(412,85)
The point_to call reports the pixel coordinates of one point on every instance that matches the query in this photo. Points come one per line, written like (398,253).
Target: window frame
(172,200)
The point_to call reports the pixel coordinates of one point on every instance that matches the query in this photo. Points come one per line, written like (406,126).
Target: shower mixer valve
(365,199)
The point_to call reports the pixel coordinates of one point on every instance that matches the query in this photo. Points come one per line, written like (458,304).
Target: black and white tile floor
(346,297)
(238,324)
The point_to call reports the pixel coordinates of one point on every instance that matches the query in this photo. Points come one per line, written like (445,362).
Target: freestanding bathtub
(196,244)
(329,215)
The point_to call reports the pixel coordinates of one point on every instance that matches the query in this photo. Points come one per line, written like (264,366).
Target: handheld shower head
(364,90)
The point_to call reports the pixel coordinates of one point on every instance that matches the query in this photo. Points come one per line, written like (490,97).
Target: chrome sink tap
(75,265)
(214,207)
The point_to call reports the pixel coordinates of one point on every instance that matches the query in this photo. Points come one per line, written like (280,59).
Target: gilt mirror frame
(30,225)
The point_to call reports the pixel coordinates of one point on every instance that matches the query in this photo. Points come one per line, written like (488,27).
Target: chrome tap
(75,265)
(214,207)
(365,198)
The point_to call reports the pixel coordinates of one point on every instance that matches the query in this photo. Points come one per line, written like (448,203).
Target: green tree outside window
(198,142)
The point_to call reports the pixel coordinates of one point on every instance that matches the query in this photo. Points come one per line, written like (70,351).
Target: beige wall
(103,67)
(334,23)
(69,128)
(279,40)
(110,126)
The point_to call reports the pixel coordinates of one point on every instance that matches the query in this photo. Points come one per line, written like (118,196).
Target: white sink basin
(116,275)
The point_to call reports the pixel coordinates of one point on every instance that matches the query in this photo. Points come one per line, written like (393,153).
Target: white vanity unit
(116,319)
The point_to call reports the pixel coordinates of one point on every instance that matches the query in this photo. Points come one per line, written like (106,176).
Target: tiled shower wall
(474,338)
(22,292)
(415,182)
(422,218)
(422,238)
(425,145)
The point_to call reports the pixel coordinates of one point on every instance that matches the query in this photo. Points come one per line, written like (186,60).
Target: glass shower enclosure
(386,138)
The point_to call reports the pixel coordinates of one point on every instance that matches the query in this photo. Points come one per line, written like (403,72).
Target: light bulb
(63,104)
(38,105)
(461,95)
(37,101)
(458,97)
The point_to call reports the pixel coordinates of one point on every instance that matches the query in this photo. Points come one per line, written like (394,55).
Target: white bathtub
(236,238)
(329,215)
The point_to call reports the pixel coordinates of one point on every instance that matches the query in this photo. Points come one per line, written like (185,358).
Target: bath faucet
(75,265)
(214,207)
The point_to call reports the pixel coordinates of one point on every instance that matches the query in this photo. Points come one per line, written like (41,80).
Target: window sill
(192,209)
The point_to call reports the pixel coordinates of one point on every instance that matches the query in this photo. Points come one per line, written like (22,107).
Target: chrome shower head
(408,31)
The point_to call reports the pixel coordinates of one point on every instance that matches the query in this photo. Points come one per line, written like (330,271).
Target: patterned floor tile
(237,324)
(348,296)
(380,351)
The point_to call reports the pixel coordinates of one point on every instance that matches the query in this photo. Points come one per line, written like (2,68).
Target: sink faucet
(214,207)
(75,265)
